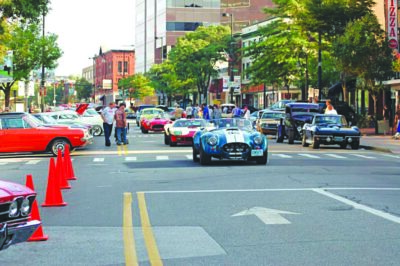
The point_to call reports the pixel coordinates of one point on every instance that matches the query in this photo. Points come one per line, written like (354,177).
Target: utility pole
(231,55)
(42,88)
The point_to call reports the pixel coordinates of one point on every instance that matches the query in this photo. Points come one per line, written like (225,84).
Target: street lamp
(231,55)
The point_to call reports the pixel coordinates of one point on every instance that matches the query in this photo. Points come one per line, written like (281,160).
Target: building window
(183,26)
(119,67)
(125,67)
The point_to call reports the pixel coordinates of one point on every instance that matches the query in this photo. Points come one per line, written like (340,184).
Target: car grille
(4,209)
(158,127)
(235,149)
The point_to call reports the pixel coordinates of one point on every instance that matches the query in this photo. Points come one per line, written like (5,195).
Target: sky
(83,26)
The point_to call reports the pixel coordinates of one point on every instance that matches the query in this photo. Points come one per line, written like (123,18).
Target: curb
(373,148)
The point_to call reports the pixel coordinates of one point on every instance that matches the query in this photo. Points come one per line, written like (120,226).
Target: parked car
(226,110)
(155,122)
(130,114)
(268,121)
(342,108)
(182,130)
(232,139)
(47,120)
(88,117)
(15,209)
(21,132)
(330,130)
(296,115)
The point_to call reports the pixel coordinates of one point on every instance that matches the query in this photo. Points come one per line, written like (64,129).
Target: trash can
(383,126)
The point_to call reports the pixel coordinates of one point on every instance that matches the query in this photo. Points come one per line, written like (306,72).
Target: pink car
(15,208)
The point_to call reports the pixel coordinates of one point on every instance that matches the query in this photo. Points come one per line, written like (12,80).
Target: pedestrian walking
(189,110)
(121,124)
(107,114)
(206,113)
(396,124)
(237,112)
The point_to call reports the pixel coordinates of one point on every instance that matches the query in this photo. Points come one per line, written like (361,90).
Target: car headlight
(212,141)
(25,207)
(299,129)
(258,140)
(13,211)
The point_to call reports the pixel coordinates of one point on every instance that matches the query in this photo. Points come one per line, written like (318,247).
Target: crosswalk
(184,156)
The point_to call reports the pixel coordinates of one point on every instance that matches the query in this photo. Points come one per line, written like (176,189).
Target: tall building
(160,22)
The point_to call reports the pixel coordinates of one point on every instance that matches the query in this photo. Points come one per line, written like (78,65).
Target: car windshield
(336,119)
(33,121)
(91,112)
(233,123)
(304,110)
(48,119)
(190,123)
(271,115)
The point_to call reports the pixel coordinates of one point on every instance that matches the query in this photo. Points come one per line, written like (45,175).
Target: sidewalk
(384,143)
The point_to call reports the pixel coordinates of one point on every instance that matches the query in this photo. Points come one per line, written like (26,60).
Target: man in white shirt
(329,108)
(107,114)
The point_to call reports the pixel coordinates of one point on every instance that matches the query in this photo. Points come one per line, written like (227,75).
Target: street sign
(267,216)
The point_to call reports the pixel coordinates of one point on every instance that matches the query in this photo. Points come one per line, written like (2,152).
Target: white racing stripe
(234,136)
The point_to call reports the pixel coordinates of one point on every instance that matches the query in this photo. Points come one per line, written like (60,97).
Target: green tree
(363,51)
(196,54)
(84,89)
(138,85)
(31,50)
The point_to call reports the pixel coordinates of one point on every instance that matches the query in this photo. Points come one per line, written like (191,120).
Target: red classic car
(15,208)
(20,132)
(182,131)
(155,123)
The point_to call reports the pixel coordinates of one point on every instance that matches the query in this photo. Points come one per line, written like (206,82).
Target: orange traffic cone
(60,172)
(68,164)
(38,235)
(53,192)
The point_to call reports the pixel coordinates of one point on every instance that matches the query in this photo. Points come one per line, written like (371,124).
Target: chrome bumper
(18,234)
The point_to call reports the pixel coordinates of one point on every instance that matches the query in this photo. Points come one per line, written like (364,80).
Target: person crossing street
(108,118)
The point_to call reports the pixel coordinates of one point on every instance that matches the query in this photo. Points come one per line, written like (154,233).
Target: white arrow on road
(267,216)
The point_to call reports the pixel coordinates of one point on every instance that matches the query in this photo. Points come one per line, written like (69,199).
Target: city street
(150,203)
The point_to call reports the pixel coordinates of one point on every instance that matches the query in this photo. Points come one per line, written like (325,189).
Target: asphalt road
(150,203)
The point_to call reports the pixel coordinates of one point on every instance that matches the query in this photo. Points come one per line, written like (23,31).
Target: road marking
(362,156)
(190,157)
(336,156)
(98,160)
(162,158)
(309,155)
(266,190)
(267,216)
(129,159)
(33,162)
(358,206)
(392,156)
(129,240)
(151,245)
(283,155)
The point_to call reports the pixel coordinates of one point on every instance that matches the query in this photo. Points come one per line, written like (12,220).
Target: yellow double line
(129,241)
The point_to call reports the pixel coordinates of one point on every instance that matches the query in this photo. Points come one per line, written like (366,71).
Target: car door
(18,135)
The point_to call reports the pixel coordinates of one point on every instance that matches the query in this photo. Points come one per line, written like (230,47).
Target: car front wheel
(195,153)
(279,137)
(315,144)
(204,157)
(355,145)
(263,159)
(59,144)
(166,139)
(304,140)
(97,130)
(291,137)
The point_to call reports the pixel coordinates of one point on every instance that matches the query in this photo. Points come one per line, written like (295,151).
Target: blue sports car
(330,130)
(233,139)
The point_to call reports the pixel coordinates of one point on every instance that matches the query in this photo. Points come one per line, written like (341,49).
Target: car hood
(337,128)
(9,189)
(81,108)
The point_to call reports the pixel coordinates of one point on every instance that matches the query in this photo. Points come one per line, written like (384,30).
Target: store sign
(107,84)
(227,84)
(392,24)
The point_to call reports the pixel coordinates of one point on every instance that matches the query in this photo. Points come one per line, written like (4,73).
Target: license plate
(338,138)
(257,152)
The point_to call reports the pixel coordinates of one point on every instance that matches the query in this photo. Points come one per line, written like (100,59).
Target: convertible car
(21,132)
(182,131)
(330,130)
(233,139)
(15,208)
(154,123)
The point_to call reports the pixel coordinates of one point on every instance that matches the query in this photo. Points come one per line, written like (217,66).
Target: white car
(90,117)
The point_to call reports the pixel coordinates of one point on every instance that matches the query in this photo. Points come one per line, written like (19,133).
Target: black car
(296,115)
(342,108)
(330,130)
